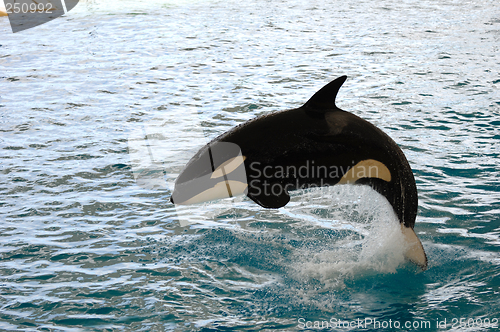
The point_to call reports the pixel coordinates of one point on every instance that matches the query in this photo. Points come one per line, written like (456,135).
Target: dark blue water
(86,246)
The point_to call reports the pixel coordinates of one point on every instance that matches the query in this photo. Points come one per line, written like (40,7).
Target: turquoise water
(86,247)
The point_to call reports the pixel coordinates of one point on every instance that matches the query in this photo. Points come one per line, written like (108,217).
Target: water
(85,248)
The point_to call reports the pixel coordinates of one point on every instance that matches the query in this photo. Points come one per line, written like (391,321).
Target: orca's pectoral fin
(270,197)
(415,251)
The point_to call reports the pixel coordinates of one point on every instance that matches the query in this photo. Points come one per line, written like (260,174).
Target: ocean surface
(89,242)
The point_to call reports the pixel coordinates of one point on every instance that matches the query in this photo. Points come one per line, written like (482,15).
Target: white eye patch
(228,166)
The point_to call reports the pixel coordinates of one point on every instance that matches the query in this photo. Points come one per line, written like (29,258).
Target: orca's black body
(317,144)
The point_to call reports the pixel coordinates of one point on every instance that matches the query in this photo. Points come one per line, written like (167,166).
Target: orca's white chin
(223,189)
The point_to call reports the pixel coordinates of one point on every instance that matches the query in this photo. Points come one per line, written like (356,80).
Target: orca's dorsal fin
(324,99)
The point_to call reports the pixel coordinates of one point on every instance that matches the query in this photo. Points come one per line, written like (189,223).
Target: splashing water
(369,235)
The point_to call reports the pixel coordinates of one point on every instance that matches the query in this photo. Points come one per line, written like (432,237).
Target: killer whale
(317,144)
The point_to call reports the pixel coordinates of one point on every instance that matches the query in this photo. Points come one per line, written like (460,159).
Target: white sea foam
(373,244)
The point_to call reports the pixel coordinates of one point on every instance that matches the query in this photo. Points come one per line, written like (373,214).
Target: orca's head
(216,171)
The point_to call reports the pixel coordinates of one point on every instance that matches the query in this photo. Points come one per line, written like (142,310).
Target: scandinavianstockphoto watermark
(26,14)
(273,180)
(307,170)
(336,324)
